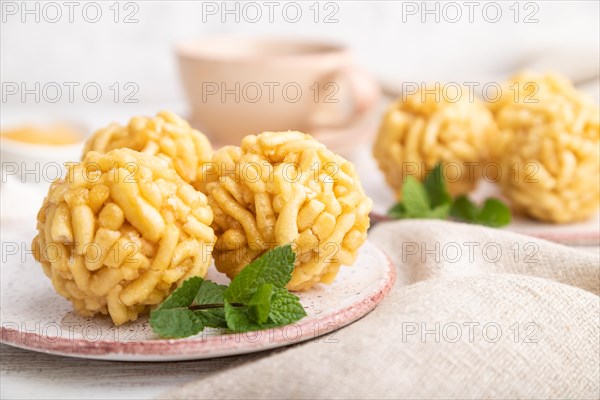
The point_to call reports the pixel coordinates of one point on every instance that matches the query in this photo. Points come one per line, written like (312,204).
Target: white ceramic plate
(34,317)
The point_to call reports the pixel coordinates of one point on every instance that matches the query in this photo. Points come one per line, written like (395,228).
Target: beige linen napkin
(475,313)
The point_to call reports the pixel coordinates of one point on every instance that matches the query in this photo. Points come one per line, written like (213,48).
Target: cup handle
(364,92)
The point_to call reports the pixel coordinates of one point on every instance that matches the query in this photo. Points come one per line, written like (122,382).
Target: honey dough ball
(120,232)
(529,100)
(285,187)
(422,129)
(166,136)
(550,153)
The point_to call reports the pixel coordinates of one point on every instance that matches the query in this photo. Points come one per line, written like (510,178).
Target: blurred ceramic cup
(240,86)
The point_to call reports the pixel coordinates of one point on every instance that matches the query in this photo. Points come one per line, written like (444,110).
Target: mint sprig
(424,200)
(255,299)
(273,267)
(431,200)
(493,213)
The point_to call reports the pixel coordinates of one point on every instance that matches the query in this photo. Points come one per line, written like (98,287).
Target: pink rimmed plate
(35,318)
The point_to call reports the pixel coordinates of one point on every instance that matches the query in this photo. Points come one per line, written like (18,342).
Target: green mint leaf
(259,305)
(439,212)
(494,213)
(209,293)
(238,319)
(213,318)
(429,199)
(175,322)
(184,295)
(414,198)
(397,211)
(285,308)
(172,318)
(435,186)
(274,267)
(464,209)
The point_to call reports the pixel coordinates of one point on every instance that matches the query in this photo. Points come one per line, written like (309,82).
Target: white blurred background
(126,49)
(397,40)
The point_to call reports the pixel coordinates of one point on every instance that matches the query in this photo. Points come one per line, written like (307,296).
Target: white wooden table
(30,375)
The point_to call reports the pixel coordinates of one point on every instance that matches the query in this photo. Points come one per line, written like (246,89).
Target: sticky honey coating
(285,187)
(166,136)
(431,126)
(550,148)
(120,232)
